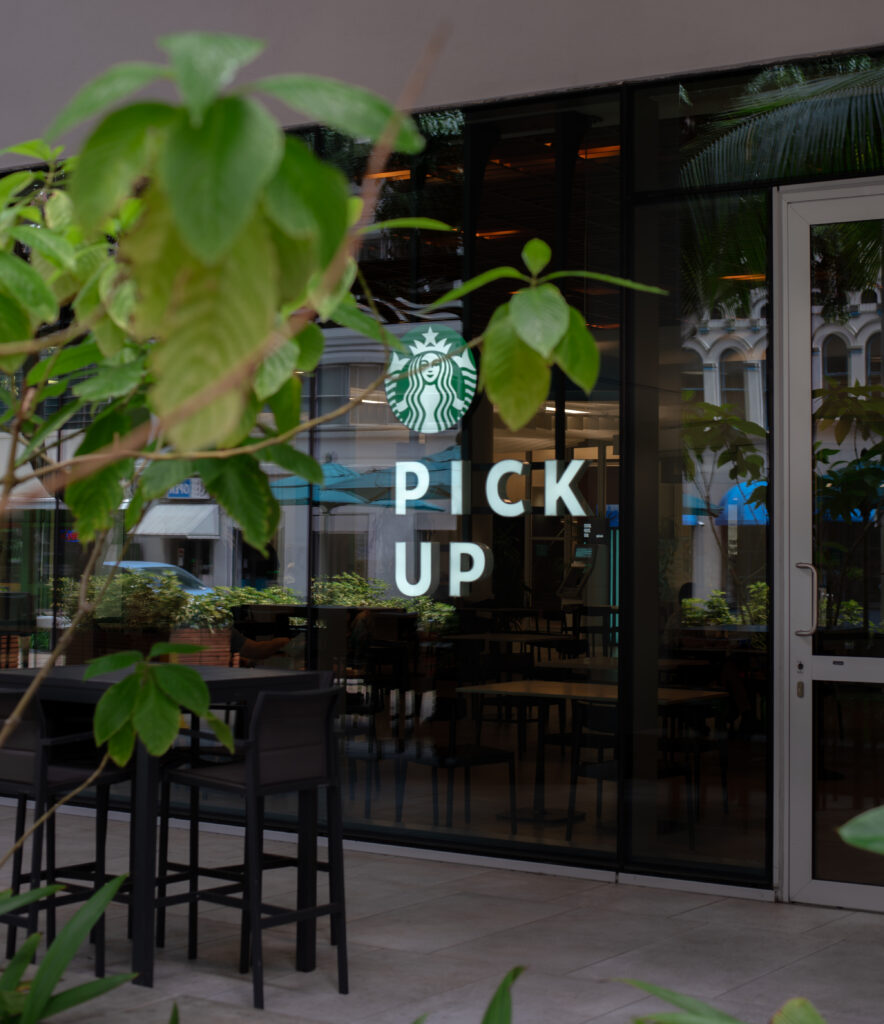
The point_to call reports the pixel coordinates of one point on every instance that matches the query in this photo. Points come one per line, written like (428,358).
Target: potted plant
(208,619)
(131,612)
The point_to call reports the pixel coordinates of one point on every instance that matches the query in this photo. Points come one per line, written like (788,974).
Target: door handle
(816,598)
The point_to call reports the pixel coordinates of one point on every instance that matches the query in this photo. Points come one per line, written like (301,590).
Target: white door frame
(795,208)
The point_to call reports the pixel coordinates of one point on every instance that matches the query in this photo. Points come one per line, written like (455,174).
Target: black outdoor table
(226,685)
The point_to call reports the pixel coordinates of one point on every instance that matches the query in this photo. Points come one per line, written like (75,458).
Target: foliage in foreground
(165,286)
(693,1011)
(28,1001)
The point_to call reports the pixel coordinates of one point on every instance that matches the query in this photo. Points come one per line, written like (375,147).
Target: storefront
(640,634)
(660,563)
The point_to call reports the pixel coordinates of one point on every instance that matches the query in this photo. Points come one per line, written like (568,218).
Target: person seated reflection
(250,650)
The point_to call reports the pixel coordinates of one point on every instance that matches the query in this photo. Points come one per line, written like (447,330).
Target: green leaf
(515,377)
(54,389)
(11,1005)
(159,265)
(156,718)
(173,1018)
(536,255)
(418,223)
(160,476)
(94,499)
(540,317)
(298,260)
(222,731)
(119,297)
(205,62)
(36,149)
(108,88)
(226,313)
(242,489)
(326,295)
(308,198)
(90,259)
(347,314)
(286,405)
(355,206)
(276,369)
(17,966)
(865,831)
(10,903)
(70,359)
(116,707)
(13,184)
(500,1009)
(62,950)
(346,108)
(284,198)
(114,158)
(84,993)
(111,423)
(58,211)
(183,685)
(311,342)
(122,744)
(577,353)
(797,1011)
(111,663)
(14,326)
(294,461)
(213,173)
(591,275)
(55,248)
(112,381)
(19,281)
(479,281)
(697,1011)
(111,338)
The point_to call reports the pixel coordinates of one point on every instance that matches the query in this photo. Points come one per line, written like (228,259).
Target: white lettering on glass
(460,488)
(404,493)
(428,574)
(468,562)
(504,468)
(558,478)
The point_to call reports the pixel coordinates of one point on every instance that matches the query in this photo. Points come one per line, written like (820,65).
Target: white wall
(495,48)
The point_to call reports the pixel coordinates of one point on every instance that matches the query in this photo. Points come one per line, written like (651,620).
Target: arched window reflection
(692,377)
(732,371)
(873,360)
(869,295)
(834,360)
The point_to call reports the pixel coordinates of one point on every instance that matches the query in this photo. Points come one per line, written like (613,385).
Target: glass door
(832,505)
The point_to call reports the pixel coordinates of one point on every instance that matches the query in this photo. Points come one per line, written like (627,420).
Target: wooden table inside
(554,689)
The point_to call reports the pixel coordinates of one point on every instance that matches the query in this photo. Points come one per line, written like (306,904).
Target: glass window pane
(772,124)
(701,712)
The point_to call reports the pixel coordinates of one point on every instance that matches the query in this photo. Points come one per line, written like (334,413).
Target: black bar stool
(291,748)
(28,772)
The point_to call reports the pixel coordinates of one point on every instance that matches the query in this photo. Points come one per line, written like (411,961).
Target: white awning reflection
(195,521)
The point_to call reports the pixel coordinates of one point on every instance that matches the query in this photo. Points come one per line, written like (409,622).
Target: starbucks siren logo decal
(431,384)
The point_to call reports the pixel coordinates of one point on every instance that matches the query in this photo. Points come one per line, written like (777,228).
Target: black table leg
(144,864)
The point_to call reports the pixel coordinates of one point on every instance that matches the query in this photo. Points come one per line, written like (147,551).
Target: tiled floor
(435,938)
